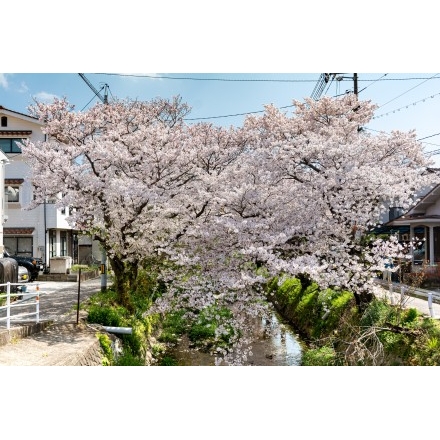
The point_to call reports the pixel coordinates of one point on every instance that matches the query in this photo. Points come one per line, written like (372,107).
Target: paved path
(419,301)
(58,299)
(63,342)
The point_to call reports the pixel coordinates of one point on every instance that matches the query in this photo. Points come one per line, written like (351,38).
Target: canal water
(275,343)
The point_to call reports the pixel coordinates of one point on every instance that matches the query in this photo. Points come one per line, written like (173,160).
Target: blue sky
(406,101)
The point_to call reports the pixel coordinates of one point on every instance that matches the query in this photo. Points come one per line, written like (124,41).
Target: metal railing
(430,296)
(11,307)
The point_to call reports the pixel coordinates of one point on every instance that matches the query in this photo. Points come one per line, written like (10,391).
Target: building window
(394,212)
(10,145)
(12,193)
(63,239)
(52,243)
(4,121)
(19,245)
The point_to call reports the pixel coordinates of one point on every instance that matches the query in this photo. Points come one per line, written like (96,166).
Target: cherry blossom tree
(305,196)
(226,208)
(329,182)
(133,175)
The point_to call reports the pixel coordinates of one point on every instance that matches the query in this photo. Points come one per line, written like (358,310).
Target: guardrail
(430,296)
(10,307)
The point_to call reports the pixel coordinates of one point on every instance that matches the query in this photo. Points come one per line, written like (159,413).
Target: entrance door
(436,244)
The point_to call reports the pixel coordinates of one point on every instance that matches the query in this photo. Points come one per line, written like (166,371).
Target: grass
(338,334)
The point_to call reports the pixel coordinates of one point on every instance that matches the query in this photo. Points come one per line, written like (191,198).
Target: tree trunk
(125,279)
(363,299)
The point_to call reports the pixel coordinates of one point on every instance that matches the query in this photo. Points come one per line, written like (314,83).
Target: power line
(188,78)
(430,143)
(427,137)
(382,78)
(232,115)
(406,106)
(432,153)
(375,81)
(412,88)
(418,140)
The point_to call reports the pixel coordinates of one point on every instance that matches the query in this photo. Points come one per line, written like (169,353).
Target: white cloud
(3,81)
(45,97)
(23,87)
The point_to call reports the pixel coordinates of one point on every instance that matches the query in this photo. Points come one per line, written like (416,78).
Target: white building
(423,222)
(42,232)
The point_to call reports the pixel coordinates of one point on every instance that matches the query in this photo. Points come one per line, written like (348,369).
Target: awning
(18,231)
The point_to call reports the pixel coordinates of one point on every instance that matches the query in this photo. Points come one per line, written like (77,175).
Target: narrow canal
(278,347)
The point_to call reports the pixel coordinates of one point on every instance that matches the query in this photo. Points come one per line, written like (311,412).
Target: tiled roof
(18,113)
(13,181)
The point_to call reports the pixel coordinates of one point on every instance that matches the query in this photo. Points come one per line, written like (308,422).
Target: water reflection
(280,347)
(275,344)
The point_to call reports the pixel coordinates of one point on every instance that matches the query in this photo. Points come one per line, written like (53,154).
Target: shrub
(107,316)
(128,359)
(168,361)
(173,326)
(106,345)
(376,314)
(323,356)
(308,308)
(136,341)
(83,267)
(410,316)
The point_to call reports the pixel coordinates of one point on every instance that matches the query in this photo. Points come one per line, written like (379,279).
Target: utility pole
(326,77)
(104,100)
(321,84)
(355,80)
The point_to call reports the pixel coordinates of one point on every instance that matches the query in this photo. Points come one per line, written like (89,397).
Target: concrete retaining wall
(68,276)
(6,336)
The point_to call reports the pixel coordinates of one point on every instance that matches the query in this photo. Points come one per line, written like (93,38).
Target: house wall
(23,122)
(433,209)
(42,218)
(385,217)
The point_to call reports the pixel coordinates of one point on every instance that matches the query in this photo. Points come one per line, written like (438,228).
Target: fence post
(8,305)
(431,311)
(37,305)
(390,287)
(402,294)
(79,292)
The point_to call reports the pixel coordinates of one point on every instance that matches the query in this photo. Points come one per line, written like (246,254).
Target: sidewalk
(418,299)
(57,340)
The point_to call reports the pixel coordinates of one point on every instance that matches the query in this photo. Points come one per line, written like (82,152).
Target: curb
(6,336)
